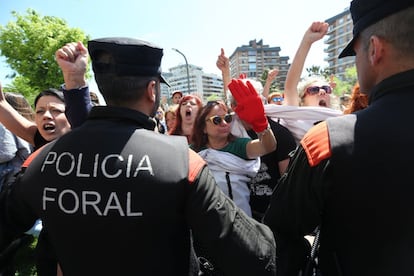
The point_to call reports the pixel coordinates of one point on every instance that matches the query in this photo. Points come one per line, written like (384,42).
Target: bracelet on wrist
(260,134)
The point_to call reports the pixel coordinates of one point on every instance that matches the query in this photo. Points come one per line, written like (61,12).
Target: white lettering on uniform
(113,203)
(105,173)
(92,203)
(141,167)
(117,206)
(129,213)
(72,163)
(65,163)
(129,164)
(53,156)
(75,198)
(78,169)
(95,165)
(46,198)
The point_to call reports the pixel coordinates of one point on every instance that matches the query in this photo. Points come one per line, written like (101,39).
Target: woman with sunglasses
(306,102)
(314,90)
(275,98)
(233,160)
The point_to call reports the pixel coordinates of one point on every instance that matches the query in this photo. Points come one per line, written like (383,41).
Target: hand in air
(316,31)
(72,58)
(249,104)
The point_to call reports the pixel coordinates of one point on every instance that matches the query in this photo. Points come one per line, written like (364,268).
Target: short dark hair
(50,92)
(397,29)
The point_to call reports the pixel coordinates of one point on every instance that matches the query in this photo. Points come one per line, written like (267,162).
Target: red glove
(249,104)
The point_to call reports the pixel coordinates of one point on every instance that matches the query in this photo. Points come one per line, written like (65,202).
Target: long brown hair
(199,138)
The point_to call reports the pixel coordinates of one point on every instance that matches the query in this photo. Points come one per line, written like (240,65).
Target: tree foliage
(29,44)
(276,86)
(317,70)
(342,86)
(345,86)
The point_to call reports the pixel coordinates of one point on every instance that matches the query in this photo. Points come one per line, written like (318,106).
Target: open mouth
(322,103)
(49,127)
(188,113)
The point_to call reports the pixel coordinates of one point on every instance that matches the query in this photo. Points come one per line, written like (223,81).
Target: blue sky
(197,28)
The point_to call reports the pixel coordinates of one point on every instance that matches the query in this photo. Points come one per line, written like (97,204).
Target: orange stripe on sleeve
(195,166)
(32,156)
(316,144)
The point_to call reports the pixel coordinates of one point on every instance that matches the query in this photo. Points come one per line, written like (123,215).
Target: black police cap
(367,12)
(131,57)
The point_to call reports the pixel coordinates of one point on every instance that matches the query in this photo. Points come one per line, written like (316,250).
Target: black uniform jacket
(119,199)
(359,186)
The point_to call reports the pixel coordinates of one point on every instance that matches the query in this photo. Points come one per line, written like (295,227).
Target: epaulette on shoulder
(196,163)
(316,144)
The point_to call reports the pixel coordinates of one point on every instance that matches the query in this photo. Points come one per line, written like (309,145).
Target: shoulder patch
(316,144)
(196,163)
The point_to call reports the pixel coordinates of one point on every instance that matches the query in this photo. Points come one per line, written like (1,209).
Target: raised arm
(15,122)
(73,60)
(223,64)
(314,33)
(271,76)
(250,109)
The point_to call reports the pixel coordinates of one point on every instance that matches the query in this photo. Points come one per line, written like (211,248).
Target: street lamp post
(188,71)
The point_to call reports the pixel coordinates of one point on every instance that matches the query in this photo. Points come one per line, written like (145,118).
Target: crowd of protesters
(232,186)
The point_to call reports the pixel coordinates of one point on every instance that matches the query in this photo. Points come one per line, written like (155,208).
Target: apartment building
(196,82)
(338,36)
(253,59)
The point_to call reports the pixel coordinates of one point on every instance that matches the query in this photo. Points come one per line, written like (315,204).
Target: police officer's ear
(151,91)
(376,49)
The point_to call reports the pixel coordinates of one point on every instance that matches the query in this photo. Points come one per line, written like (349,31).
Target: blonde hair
(305,82)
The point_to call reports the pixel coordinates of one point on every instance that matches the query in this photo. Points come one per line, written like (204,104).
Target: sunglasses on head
(313,90)
(218,119)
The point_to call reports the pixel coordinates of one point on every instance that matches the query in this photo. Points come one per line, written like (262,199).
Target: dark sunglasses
(228,118)
(277,99)
(313,90)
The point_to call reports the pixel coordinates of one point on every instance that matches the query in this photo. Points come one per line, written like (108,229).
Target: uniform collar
(122,113)
(396,82)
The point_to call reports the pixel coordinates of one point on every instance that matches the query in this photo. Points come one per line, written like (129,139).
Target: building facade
(205,86)
(255,58)
(338,36)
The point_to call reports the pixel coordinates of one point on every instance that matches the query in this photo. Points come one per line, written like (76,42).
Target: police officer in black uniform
(113,201)
(352,175)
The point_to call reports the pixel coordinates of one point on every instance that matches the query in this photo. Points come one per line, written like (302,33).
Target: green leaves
(29,44)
